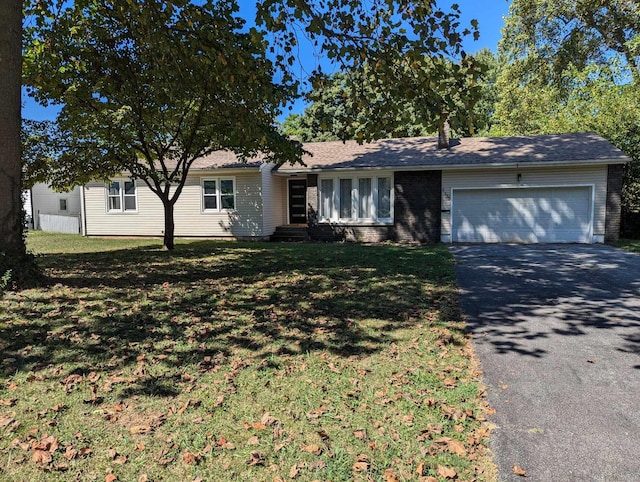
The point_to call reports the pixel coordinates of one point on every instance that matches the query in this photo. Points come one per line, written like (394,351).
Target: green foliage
(550,37)
(147,100)
(401,65)
(357,105)
(573,67)
(18,271)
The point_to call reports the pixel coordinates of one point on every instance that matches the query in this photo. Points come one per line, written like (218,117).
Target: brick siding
(615,174)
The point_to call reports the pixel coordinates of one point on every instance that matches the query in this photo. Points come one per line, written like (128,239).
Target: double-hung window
(218,194)
(358,199)
(122,196)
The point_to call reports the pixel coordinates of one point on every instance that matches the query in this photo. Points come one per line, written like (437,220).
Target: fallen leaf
(519,471)
(294,471)
(8,402)
(70,453)
(256,458)
(360,434)
(140,429)
(360,466)
(456,447)
(110,478)
(446,472)
(253,440)
(42,457)
(390,476)
(191,458)
(312,449)
(4,421)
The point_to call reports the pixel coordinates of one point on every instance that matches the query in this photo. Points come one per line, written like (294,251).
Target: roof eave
(444,167)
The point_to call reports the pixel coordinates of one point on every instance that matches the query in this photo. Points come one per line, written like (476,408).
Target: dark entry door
(297,201)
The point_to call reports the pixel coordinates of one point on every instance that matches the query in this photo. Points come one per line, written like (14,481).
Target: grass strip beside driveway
(239,361)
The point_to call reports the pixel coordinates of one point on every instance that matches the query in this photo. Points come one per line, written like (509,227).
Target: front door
(297,201)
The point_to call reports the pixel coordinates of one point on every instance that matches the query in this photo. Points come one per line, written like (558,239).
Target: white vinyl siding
(595,176)
(358,198)
(46,201)
(245,220)
(273,197)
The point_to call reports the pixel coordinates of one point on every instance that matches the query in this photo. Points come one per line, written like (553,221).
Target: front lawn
(632,245)
(239,361)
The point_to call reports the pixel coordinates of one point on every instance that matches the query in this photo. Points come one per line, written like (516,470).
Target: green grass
(238,361)
(632,245)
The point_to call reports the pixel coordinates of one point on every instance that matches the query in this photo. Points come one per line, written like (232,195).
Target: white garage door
(522,215)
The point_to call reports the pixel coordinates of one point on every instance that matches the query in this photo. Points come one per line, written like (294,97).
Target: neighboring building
(539,189)
(54,211)
(26,207)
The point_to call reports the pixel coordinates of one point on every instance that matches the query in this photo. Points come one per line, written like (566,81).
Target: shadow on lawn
(209,300)
(511,292)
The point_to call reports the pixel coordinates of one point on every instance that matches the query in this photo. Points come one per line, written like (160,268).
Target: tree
(390,55)
(339,110)
(148,87)
(13,254)
(573,66)
(548,37)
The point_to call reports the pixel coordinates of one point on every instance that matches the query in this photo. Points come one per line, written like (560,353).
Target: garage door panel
(525,215)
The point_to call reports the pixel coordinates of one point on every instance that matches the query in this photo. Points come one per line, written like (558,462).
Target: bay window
(358,199)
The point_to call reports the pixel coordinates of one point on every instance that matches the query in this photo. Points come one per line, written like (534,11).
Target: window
(63,204)
(345,199)
(218,194)
(360,199)
(384,198)
(122,196)
(326,198)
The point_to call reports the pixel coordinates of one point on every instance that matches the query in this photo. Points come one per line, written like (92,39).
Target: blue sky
(489,14)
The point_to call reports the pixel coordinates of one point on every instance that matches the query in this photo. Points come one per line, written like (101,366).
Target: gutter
(456,167)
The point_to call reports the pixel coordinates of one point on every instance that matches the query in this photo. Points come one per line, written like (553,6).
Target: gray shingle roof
(470,151)
(422,152)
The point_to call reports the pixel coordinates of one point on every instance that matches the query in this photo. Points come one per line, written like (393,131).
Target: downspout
(83,211)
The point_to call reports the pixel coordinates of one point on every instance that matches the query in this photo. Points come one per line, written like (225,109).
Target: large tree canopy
(573,66)
(548,37)
(148,87)
(401,64)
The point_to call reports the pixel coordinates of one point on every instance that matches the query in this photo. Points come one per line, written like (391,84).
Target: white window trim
(219,208)
(66,204)
(122,210)
(355,197)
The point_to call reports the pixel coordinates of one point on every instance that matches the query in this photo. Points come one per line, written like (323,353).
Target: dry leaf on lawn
(42,457)
(256,458)
(390,476)
(140,429)
(312,449)
(446,472)
(253,440)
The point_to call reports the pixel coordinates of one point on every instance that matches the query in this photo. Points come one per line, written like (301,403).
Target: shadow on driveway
(557,329)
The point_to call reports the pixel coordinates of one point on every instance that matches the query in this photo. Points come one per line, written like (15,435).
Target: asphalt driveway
(557,330)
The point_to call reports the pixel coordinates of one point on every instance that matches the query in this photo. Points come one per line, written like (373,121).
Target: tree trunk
(11,222)
(169,228)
